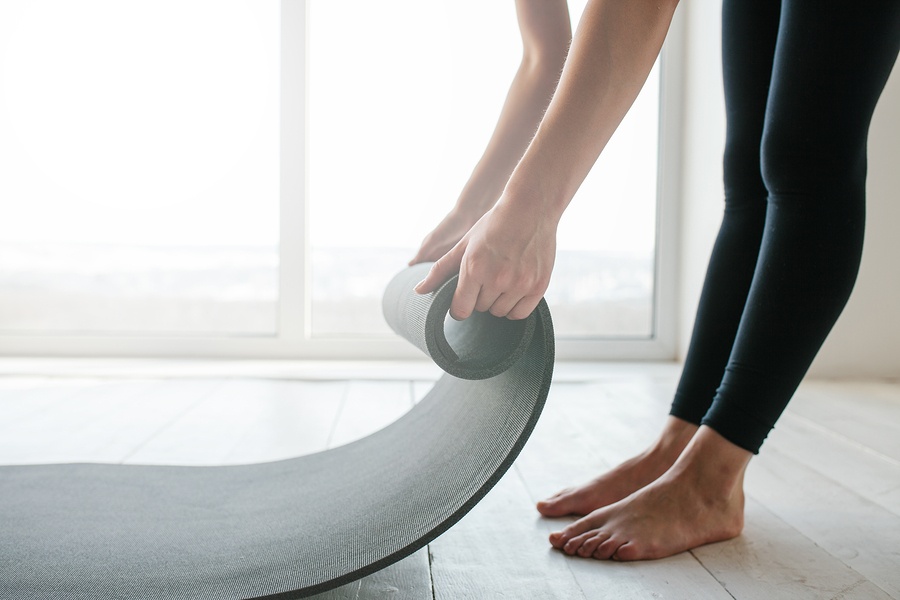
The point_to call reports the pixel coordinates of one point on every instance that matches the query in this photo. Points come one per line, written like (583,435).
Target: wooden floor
(823,511)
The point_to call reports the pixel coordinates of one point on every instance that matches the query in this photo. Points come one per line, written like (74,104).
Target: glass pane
(403,97)
(603,281)
(139,149)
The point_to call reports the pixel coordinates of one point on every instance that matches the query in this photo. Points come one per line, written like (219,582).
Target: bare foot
(625,479)
(698,501)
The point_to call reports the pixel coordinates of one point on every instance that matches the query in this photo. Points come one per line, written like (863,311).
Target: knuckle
(521,311)
(497,312)
(458,315)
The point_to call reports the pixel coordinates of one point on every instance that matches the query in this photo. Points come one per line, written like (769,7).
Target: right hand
(504,263)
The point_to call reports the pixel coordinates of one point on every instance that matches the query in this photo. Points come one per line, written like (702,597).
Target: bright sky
(157,122)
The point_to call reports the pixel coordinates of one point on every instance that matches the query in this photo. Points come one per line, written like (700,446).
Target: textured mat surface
(290,528)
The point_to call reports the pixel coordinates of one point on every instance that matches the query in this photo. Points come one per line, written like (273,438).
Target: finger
(503,304)
(426,253)
(486,298)
(464,298)
(443,269)
(523,308)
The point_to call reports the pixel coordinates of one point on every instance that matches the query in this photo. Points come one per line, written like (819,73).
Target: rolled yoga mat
(295,527)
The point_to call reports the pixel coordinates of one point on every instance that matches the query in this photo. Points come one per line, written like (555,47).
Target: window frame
(293,339)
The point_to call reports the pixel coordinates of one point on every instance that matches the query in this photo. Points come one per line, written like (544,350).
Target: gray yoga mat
(296,527)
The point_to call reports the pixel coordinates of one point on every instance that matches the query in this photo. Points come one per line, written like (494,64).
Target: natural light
(399,115)
(141,167)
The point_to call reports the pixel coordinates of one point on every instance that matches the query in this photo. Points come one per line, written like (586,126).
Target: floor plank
(773,561)
(865,412)
(823,512)
(408,579)
(291,418)
(420,388)
(22,398)
(500,550)
(245,421)
(98,423)
(860,533)
(870,474)
(368,407)
(678,577)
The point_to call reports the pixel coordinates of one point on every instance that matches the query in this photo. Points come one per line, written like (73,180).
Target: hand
(504,263)
(445,236)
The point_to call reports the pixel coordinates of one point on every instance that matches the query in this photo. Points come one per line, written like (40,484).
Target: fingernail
(419,285)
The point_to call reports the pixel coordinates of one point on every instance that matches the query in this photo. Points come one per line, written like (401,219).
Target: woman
(801,83)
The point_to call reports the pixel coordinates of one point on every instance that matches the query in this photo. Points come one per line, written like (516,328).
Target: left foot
(698,501)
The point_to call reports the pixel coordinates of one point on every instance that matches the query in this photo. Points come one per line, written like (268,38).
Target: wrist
(534,196)
(476,199)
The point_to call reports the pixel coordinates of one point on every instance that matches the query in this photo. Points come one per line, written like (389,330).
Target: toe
(557,540)
(606,549)
(573,545)
(590,545)
(627,551)
(557,505)
(583,525)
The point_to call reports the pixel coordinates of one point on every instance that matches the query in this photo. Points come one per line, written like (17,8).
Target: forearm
(528,96)
(506,259)
(545,37)
(612,52)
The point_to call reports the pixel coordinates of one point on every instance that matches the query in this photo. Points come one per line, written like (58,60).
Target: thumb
(443,269)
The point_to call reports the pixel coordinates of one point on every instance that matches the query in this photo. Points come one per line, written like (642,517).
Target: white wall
(866,340)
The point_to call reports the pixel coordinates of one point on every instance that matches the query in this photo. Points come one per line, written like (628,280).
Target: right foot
(625,479)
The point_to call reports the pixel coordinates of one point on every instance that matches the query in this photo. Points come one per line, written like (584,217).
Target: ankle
(716,465)
(674,438)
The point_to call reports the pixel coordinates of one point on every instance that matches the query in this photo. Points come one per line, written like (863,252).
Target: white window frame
(293,339)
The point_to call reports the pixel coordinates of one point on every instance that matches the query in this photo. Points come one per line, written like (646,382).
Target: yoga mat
(296,527)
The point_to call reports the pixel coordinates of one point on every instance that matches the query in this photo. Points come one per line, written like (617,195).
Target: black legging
(801,81)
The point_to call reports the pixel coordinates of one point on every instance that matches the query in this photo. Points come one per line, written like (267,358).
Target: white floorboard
(499,550)
(823,510)
(772,560)
(860,533)
(865,412)
(868,473)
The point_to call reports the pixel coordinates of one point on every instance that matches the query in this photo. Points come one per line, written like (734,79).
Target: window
(140,164)
(243,179)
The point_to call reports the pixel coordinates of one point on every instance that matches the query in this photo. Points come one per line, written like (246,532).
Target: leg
(748,46)
(749,33)
(831,63)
